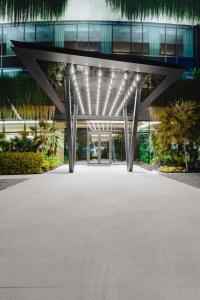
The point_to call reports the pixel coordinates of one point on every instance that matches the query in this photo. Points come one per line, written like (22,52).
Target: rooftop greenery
(21,10)
(178,9)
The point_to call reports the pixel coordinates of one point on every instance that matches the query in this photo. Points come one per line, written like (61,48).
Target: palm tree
(46,139)
(179,124)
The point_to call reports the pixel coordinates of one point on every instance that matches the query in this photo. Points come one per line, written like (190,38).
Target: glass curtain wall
(165,42)
(137,39)
(100,38)
(154,40)
(121,38)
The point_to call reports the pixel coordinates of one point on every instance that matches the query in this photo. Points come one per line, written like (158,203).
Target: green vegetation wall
(178,9)
(22,10)
(26,96)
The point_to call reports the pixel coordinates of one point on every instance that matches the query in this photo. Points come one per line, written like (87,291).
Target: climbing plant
(23,10)
(22,96)
(133,9)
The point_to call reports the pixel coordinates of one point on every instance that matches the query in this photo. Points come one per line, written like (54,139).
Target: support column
(134,129)
(74,131)
(71,118)
(126,135)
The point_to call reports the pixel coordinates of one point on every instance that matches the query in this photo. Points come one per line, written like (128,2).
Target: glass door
(105,148)
(94,153)
(99,148)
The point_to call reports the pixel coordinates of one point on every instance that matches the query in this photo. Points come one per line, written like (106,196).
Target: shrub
(12,163)
(172,169)
(52,162)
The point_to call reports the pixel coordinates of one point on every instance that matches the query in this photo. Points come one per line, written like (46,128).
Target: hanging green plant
(23,10)
(139,9)
(23,94)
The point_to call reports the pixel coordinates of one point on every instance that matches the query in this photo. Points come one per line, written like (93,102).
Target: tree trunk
(185,154)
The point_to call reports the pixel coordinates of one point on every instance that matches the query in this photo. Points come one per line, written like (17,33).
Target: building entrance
(99,148)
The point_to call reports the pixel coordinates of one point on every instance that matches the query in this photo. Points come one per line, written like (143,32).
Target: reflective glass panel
(30,33)
(170,47)
(44,34)
(137,39)
(100,38)
(83,36)
(153,40)
(185,42)
(66,35)
(121,38)
(11,33)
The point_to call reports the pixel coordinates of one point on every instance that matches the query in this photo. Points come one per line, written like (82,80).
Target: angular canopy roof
(102,83)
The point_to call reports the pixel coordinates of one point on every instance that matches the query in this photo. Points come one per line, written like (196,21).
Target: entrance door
(99,148)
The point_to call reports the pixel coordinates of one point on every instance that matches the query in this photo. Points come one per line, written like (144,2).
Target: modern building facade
(95,27)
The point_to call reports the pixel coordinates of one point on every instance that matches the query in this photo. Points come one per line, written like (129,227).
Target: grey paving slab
(187,178)
(192,179)
(6,183)
(101,233)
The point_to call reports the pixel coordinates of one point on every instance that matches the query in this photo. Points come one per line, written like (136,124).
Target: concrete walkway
(100,234)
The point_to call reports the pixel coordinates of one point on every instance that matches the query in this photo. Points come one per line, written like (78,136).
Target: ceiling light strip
(76,87)
(128,94)
(98,92)
(88,91)
(108,93)
(121,87)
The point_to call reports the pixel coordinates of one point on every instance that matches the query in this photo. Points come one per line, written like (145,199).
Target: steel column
(68,106)
(134,129)
(126,135)
(74,131)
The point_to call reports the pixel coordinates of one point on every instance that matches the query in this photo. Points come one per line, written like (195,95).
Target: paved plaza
(99,234)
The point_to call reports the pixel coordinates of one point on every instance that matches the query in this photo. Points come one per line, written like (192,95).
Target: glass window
(83,36)
(11,33)
(121,38)
(100,38)
(185,42)
(137,39)
(44,34)
(153,40)
(30,33)
(11,62)
(11,72)
(70,36)
(66,36)
(59,35)
(170,47)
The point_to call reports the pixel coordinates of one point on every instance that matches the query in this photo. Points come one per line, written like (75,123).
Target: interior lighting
(118,94)
(137,77)
(126,97)
(75,83)
(88,91)
(98,92)
(108,95)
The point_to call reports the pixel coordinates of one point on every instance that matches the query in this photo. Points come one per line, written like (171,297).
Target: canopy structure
(95,86)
